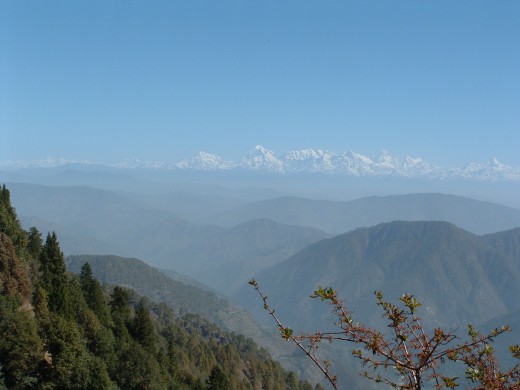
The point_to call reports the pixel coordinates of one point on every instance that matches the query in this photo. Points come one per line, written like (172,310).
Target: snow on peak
(261,158)
(204,161)
(496,164)
(305,154)
(48,162)
(492,170)
(311,161)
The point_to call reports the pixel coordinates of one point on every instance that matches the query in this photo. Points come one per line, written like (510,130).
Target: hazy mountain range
(339,217)
(224,246)
(313,161)
(459,277)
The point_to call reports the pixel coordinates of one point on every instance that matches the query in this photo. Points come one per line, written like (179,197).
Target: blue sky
(161,80)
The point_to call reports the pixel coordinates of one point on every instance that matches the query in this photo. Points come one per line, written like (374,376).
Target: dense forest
(61,330)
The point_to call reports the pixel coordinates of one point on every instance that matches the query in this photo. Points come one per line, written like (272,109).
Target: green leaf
(450,382)
(515,351)
(286,333)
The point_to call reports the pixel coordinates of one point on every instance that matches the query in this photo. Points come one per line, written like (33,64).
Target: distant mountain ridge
(314,161)
(341,216)
(93,221)
(459,277)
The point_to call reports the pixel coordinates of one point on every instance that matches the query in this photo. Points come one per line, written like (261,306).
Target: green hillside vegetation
(61,331)
(146,280)
(186,298)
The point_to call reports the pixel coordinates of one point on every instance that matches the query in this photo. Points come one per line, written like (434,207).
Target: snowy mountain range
(349,163)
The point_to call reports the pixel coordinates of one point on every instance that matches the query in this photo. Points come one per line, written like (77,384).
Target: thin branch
(285,330)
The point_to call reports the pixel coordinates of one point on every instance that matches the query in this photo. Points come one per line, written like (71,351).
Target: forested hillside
(459,277)
(61,331)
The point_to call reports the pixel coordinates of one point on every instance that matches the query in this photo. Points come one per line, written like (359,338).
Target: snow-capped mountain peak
(204,161)
(261,158)
(305,154)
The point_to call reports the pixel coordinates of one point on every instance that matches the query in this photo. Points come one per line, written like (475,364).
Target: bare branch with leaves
(408,357)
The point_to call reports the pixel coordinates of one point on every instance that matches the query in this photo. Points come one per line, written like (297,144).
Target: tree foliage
(14,278)
(20,345)
(10,225)
(54,277)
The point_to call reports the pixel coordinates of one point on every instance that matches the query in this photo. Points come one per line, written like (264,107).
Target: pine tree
(120,316)
(21,348)
(34,249)
(137,369)
(54,277)
(218,380)
(143,328)
(70,368)
(34,243)
(93,294)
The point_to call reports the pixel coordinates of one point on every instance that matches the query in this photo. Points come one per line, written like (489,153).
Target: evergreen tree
(93,294)
(99,339)
(137,369)
(34,248)
(218,380)
(10,225)
(291,381)
(20,346)
(34,243)
(14,279)
(120,313)
(71,362)
(41,309)
(54,277)
(143,329)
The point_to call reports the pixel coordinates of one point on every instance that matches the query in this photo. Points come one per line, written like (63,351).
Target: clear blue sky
(161,80)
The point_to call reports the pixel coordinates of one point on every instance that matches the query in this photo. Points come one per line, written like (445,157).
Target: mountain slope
(135,274)
(337,217)
(458,276)
(184,298)
(226,260)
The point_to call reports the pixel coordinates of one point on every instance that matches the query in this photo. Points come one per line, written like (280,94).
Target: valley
(459,256)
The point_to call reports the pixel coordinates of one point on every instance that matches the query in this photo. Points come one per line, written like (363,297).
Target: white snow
(310,160)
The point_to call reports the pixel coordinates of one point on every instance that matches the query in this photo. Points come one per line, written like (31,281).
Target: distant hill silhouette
(339,217)
(92,221)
